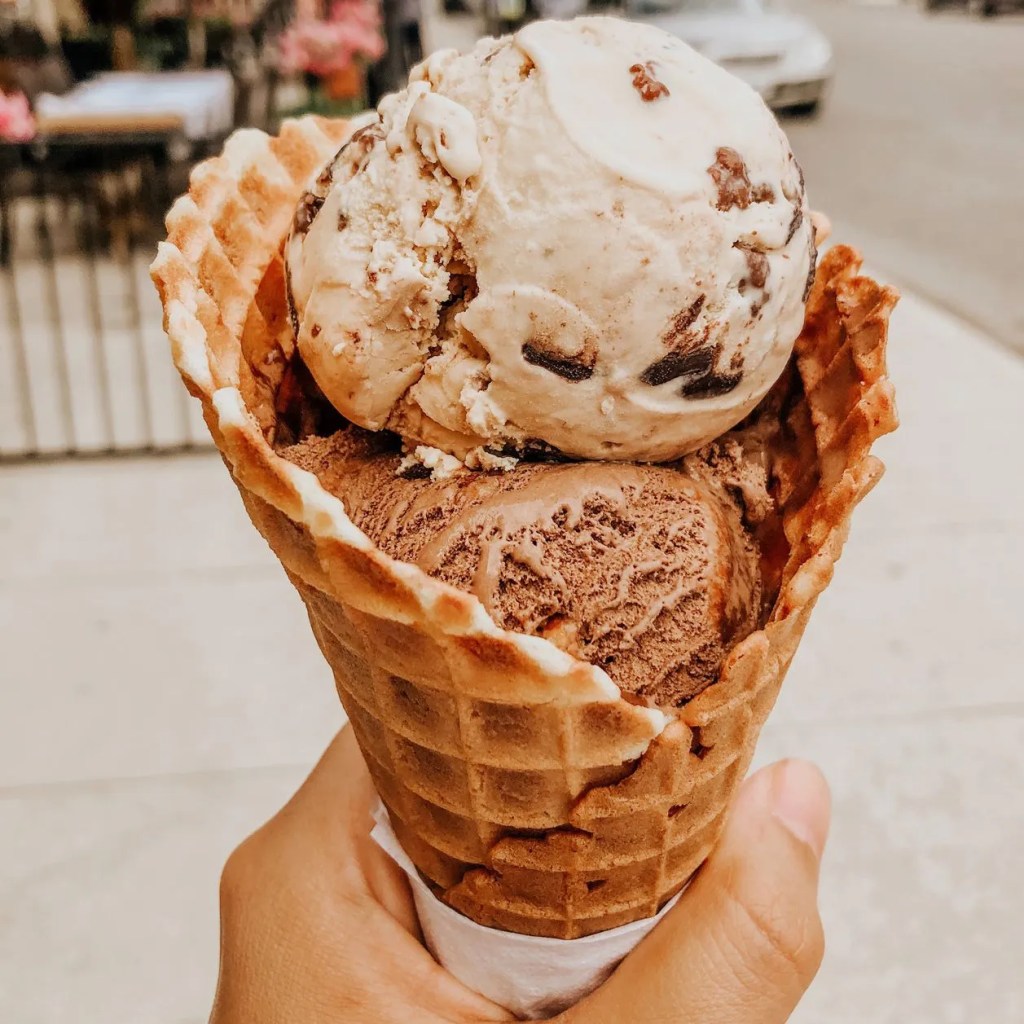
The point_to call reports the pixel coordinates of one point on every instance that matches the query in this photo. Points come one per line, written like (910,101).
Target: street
(918,156)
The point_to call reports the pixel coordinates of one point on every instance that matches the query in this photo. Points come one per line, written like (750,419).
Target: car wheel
(807,110)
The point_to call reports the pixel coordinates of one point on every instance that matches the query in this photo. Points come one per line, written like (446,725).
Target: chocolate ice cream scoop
(645,571)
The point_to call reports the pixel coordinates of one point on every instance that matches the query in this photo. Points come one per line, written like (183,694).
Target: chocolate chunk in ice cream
(731,178)
(696,363)
(645,82)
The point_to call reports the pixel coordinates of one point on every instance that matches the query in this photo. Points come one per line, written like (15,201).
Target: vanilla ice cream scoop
(584,239)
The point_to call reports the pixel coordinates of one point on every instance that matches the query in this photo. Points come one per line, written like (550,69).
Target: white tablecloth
(204,100)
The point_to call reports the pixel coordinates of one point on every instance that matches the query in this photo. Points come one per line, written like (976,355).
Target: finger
(745,941)
(339,794)
(314,910)
(332,810)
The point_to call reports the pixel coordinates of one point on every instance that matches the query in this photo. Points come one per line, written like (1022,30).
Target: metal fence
(84,365)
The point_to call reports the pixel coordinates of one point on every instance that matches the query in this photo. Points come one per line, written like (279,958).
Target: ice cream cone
(529,793)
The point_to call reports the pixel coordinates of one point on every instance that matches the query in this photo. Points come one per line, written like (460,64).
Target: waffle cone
(530,795)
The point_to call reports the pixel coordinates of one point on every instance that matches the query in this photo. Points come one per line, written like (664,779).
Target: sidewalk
(163,696)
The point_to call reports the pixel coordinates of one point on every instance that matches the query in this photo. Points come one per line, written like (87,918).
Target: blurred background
(160,694)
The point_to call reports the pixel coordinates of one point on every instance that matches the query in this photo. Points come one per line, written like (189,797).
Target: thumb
(745,941)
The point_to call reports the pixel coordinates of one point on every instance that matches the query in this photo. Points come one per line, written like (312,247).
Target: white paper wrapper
(531,976)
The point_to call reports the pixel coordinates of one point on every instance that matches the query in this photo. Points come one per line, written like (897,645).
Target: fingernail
(800,800)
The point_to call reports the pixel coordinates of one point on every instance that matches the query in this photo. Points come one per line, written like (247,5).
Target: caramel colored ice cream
(647,571)
(584,237)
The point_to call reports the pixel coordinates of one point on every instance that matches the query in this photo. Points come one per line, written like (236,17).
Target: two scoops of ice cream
(545,288)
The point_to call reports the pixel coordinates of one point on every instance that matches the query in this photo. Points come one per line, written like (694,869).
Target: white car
(782,55)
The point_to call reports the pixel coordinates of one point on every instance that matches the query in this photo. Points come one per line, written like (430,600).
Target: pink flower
(321,46)
(16,121)
(362,42)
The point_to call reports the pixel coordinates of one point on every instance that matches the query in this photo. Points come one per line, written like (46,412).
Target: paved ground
(162,695)
(919,156)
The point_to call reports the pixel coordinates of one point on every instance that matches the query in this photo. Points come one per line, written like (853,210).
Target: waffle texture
(530,795)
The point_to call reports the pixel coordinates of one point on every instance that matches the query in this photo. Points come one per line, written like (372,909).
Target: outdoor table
(198,105)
